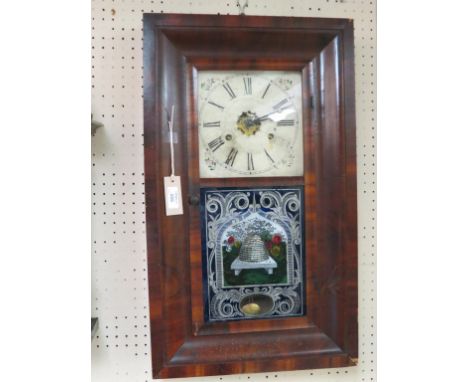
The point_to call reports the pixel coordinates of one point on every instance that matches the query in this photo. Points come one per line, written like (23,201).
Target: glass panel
(250,124)
(253,252)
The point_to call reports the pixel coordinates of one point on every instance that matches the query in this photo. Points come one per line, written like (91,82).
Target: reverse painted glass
(253,252)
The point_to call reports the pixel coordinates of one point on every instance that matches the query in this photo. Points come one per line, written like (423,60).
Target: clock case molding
(176,46)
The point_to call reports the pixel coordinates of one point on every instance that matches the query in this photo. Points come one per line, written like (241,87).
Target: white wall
(121,350)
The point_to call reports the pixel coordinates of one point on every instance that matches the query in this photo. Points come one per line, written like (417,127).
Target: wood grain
(176,47)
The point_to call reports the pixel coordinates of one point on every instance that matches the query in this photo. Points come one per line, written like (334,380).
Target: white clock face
(250,124)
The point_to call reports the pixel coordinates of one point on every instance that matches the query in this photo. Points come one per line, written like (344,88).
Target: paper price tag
(173,195)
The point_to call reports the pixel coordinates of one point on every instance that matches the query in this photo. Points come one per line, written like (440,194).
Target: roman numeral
(268,155)
(280,104)
(231,93)
(286,122)
(250,164)
(248,85)
(212,124)
(231,157)
(216,105)
(265,92)
(215,144)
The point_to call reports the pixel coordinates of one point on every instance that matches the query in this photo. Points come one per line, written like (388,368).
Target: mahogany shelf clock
(259,271)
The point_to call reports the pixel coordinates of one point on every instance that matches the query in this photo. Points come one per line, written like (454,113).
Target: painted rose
(231,240)
(276,239)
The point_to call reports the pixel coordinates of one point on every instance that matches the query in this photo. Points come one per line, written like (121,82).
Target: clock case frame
(176,46)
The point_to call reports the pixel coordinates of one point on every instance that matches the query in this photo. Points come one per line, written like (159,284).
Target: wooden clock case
(176,46)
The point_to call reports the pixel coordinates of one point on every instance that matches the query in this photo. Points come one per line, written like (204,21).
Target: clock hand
(264,117)
(267,115)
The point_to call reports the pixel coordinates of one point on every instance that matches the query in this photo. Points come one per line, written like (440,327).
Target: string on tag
(172,186)
(171,141)
(242,7)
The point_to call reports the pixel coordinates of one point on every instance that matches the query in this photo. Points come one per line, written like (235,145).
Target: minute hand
(267,115)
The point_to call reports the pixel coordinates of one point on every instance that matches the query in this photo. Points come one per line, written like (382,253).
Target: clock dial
(250,124)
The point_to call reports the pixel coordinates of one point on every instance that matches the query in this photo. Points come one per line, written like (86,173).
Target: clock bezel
(175,46)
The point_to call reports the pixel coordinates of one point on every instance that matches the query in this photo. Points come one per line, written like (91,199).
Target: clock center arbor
(260,271)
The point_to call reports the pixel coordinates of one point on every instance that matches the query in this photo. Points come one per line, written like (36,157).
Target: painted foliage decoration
(253,252)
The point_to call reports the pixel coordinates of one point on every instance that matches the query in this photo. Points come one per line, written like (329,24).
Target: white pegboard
(121,349)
